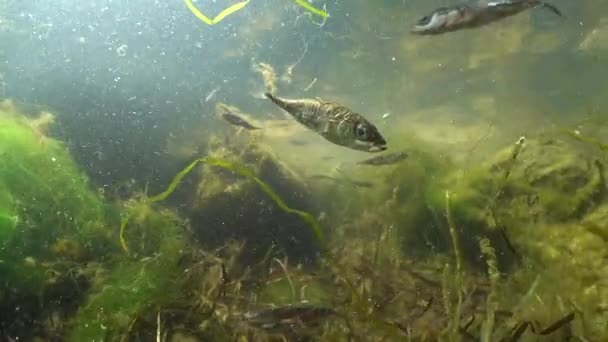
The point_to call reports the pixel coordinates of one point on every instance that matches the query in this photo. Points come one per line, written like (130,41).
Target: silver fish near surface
(236,120)
(385,159)
(474,13)
(334,122)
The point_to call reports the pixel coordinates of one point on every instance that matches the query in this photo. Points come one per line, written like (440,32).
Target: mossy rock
(548,182)
(50,220)
(229,206)
(571,259)
(597,222)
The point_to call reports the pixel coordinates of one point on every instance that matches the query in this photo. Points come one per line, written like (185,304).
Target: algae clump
(43,197)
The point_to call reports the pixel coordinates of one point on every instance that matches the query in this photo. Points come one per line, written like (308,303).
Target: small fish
(236,120)
(334,122)
(289,316)
(298,142)
(385,159)
(474,13)
(344,180)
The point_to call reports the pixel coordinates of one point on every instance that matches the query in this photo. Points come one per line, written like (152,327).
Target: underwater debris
(473,14)
(239,5)
(312,9)
(333,122)
(288,75)
(311,84)
(211,94)
(268,75)
(223,14)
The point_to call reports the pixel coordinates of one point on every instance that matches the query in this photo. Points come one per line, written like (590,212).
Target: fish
(473,14)
(289,316)
(343,180)
(334,122)
(236,120)
(385,159)
(298,142)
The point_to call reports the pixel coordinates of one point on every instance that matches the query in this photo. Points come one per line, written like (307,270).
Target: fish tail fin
(269,96)
(551,8)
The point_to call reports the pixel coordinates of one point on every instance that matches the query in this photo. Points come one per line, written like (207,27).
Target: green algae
(132,288)
(245,172)
(43,197)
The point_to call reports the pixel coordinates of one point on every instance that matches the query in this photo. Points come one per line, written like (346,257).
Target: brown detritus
(268,75)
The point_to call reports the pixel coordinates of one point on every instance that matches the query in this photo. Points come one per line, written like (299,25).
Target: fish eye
(424,21)
(361,132)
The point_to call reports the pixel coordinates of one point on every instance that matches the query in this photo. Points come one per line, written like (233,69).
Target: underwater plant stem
(312,9)
(577,136)
(245,172)
(490,254)
(123,224)
(445,290)
(293,289)
(158,329)
(174,183)
(223,14)
(455,323)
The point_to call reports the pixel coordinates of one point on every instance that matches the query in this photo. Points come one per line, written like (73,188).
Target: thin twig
(158,329)
(293,290)
(458,272)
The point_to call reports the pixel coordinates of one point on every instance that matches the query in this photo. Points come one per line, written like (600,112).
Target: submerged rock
(229,206)
(545,182)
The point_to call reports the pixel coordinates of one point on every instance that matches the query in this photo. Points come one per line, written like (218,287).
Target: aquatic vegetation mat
(60,255)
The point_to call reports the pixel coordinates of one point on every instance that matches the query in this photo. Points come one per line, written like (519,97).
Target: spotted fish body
(334,122)
(474,13)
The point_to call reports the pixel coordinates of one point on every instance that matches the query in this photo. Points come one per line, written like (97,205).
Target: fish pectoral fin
(551,8)
(324,130)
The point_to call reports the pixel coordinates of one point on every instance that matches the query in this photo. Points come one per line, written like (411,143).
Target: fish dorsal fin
(551,8)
